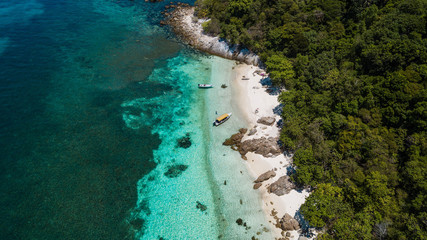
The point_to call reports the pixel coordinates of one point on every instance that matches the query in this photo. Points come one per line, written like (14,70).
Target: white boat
(221,119)
(205,85)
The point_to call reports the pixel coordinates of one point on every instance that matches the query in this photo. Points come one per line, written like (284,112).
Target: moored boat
(221,119)
(205,85)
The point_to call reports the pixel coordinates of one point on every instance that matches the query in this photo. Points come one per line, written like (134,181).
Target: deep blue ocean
(69,166)
(104,134)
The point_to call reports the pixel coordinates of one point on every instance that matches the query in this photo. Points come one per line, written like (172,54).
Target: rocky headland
(188,28)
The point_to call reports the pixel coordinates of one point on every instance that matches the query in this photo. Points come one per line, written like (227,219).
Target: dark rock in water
(175,170)
(281,186)
(184,142)
(239,222)
(235,139)
(266,120)
(243,130)
(137,223)
(201,206)
(225,182)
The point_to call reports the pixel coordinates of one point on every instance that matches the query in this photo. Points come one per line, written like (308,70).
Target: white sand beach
(256,102)
(253,101)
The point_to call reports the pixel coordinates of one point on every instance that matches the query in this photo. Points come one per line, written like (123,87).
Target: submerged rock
(243,130)
(281,186)
(239,221)
(175,170)
(201,207)
(137,223)
(265,176)
(184,142)
(235,139)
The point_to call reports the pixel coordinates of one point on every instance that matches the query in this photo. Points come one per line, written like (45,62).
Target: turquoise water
(104,134)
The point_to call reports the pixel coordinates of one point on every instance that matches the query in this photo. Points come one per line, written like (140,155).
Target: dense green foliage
(355,112)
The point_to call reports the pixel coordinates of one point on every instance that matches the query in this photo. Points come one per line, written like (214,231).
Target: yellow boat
(221,119)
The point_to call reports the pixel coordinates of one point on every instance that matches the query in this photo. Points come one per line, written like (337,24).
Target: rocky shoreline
(189,29)
(257,144)
(280,185)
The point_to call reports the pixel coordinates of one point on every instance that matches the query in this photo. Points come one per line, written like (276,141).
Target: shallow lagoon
(94,97)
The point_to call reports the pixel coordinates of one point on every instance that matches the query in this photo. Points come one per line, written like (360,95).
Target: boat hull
(205,85)
(221,121)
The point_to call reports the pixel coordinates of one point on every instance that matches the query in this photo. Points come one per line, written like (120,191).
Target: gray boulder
(265,176)
(252,132)
(267,120)
(288,223)
(281,186)
(267,147)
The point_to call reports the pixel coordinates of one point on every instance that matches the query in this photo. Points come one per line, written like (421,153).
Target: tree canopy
(355,111)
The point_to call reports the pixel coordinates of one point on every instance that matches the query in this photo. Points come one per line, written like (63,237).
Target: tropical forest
(354,105)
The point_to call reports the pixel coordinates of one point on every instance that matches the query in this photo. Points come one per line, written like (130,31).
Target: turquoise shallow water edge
(99,106)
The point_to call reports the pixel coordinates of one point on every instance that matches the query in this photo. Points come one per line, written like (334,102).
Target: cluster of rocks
(281,187)
(267,147)
(184,142)
(264,177)
(188,28)
(288,223)
(175,13)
